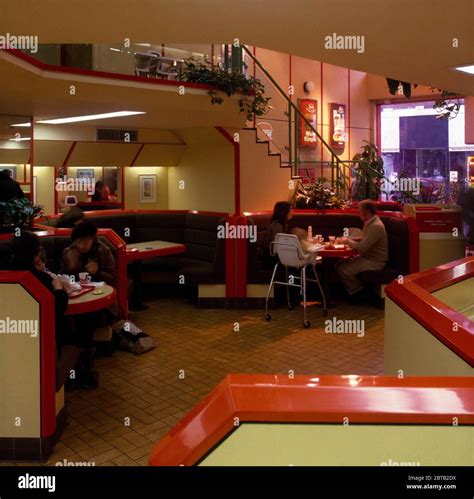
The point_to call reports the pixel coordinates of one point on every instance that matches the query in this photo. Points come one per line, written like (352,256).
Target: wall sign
(309,108)
(337,116)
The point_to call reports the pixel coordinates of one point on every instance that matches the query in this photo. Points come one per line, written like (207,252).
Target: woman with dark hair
(70,218)
(97,196)
(282,213)
(28,254)
(88,254)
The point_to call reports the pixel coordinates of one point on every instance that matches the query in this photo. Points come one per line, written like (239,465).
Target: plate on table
(79,292)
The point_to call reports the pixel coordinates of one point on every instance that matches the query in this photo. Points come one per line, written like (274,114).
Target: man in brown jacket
(371,247)
(88,254)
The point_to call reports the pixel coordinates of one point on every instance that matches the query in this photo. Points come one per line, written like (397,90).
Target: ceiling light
(75,119)
(21,138)
(23,124)
(466,69)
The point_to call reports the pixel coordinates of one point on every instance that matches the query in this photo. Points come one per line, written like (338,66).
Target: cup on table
(318,238)
(84,277)
(332,239)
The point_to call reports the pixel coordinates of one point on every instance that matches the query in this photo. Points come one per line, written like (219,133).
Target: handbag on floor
(131,338)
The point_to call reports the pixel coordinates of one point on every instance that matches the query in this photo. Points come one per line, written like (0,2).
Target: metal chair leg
(306,323)
(268,317)
(325,309)
(288,290)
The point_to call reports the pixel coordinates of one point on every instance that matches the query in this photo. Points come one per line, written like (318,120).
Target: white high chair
(290,255)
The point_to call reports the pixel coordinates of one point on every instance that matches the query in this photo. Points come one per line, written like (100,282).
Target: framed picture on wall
(85,173)
(147,188)
(338,134)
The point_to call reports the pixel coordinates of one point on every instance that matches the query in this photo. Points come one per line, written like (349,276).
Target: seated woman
(282,213)
(98,194)
(26,255)
(88,254)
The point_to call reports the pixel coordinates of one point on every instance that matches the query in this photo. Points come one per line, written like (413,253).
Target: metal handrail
(334,158)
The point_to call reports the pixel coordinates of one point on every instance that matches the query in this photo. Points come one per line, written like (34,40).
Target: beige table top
(153,245)
(90,302)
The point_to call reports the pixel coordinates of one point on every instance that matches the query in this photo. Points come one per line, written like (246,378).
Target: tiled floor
(141,397)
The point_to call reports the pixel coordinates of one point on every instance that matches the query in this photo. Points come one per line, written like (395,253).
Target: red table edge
(312,399)
(414,296)
(144,254)
(47,374)
(92,306)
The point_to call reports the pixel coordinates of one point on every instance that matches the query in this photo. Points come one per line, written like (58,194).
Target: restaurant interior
(175,155)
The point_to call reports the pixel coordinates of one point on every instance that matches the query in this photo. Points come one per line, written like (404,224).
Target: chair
(145,64)
(290,255)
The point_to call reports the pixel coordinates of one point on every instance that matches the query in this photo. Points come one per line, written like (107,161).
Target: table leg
(326,274)
(137,304)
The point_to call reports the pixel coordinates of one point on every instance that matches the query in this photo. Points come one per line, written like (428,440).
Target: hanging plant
(447,105)
(252,91)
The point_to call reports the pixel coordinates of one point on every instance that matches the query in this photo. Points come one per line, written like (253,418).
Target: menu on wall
(337,125)
(309,109)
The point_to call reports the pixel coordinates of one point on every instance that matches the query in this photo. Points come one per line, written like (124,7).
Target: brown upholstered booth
(334,223)
(204,259)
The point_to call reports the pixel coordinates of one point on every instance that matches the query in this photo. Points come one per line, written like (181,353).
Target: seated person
(372,249)
(88,254)
(26,255)
(72,217)
(282,213)
(98,192)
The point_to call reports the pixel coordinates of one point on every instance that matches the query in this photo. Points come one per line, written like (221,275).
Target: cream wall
(45,187)
(469,120)
(207,169)
(132,198)
(20,389)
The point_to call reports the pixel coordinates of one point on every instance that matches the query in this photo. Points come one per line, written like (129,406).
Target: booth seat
(54,246)
(204,259)
(327,224)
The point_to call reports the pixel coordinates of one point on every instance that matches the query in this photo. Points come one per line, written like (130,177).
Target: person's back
(9,188)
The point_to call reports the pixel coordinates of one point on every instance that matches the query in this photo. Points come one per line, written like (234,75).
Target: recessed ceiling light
(23,124)
(20,138)
(466,69)
(75,119)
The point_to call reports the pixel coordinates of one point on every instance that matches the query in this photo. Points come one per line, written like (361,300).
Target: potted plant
(317,196)
(369,173)
(18,212)
(252,101)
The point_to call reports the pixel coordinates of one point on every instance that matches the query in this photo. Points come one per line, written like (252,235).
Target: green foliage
(370,173)
(19,212)
(316,196)
(252,101)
